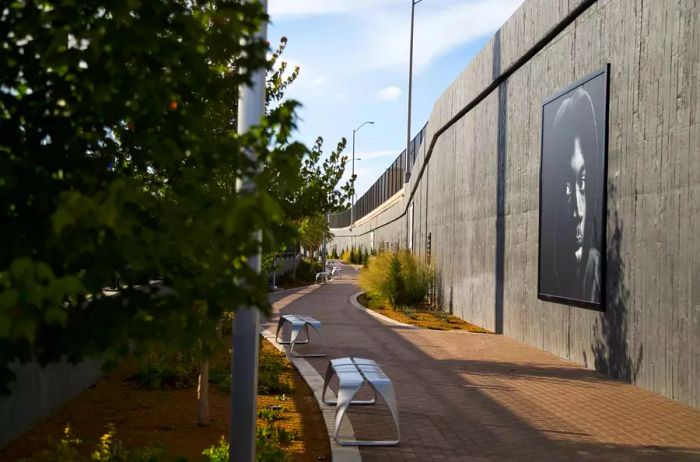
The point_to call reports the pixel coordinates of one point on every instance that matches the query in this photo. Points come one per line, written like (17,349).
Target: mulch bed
(167,418)
(424,316)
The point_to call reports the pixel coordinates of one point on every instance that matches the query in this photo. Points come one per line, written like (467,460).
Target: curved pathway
(466,396)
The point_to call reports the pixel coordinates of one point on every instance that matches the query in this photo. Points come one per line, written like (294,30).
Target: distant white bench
(337,272)
(298,323)
(352,374)
(323,276)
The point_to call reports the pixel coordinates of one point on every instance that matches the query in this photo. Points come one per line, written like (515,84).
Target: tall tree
(119,153)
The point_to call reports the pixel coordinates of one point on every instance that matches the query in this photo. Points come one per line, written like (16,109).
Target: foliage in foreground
(119,155)
(398,278)
(109,449)
(266,450)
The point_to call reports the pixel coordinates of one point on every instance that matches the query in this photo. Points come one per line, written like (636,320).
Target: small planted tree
(119,154)
(312,230)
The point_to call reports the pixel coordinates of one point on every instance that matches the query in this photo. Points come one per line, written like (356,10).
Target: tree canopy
(119,154)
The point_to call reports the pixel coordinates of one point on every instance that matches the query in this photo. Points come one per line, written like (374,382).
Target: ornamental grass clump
(397,278)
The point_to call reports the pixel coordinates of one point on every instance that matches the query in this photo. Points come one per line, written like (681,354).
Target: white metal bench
(352,374)
(337,271)
(324,276)
(298,323)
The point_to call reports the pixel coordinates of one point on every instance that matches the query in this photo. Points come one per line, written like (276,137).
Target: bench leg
(345,395)
(293,341)
(386,390)
(280,321)
(326,381)
(280,327)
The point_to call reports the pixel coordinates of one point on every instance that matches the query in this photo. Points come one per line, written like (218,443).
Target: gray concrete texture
(478,195)
(38,391)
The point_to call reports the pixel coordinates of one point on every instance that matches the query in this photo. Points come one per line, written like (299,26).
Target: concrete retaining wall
(38,392)
(477,196)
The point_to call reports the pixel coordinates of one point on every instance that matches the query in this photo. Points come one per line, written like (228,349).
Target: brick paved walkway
(469,396)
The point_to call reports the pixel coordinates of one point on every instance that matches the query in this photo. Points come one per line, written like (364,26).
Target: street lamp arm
(352,178)
(363,124)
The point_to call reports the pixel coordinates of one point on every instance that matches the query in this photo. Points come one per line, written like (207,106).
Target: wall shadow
(612,353)
(448,409)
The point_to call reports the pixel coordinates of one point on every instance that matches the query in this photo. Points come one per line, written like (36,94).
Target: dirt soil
(421,317)
(167,418)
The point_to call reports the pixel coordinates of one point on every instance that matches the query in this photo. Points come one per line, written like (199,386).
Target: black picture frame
(560,208)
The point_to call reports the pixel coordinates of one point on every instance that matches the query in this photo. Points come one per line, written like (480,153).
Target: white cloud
(391,93)
(365,155)
(284,9)
(437,31)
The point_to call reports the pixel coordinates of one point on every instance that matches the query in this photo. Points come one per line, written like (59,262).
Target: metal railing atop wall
(387,185)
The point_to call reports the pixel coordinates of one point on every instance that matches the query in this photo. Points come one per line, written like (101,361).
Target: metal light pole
(246,324)
(410,87)
(352,207)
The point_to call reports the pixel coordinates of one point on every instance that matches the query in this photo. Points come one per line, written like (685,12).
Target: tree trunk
(203,393)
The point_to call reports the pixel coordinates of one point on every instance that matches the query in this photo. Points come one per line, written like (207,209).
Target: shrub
(160,370)
(270,370)
(270,414)
(398,278)
(365,258)
(417,278)
(358,256)
(266,449)
(305,273)
(345,256)
(393,284)
(108,449)
(218,453)
(270,381)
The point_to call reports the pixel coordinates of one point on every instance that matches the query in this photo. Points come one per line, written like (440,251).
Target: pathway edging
(358,305)
(314,380)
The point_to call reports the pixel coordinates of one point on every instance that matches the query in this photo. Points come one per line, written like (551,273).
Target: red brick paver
(477,397)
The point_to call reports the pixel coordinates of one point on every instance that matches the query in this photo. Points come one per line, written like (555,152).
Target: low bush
(266,450)
(305,274)
(398,278)
(365,258)
(270,414)
(160,370)
(270,380)
(109,449)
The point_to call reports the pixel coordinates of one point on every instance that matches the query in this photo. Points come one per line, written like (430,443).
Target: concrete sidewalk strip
(315,381)
(485,396)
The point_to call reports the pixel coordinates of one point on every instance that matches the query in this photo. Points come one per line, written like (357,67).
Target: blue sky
(353,56)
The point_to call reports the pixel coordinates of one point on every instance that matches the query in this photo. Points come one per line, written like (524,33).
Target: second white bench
(298,324)
(352,374)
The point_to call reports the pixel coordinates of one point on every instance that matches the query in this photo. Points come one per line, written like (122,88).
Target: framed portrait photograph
(573,181)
